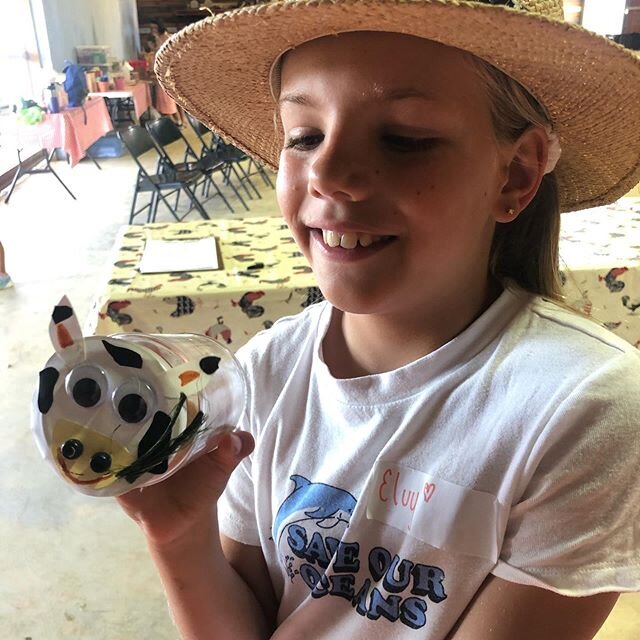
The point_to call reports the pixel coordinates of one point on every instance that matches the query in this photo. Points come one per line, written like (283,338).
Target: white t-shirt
(381,503)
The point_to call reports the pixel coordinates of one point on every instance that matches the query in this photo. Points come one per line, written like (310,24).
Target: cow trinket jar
(125,411)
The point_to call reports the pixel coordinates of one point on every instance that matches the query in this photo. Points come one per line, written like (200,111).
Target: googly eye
(72,449)
(134,401)
(87,385)
(100,462)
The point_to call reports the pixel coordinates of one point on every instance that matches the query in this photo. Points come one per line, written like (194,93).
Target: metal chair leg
(196,203)
(215,186)
(233,188)
(264,175)
(247,177)
(166,202)
(240,181)
(153,207)
(133,205)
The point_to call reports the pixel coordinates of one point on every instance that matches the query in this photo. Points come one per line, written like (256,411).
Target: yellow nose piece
(78,470)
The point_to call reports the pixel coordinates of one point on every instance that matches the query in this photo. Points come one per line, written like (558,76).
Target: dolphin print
(326,504)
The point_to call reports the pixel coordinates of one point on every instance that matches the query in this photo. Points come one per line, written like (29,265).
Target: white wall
(71,23)
(604,16)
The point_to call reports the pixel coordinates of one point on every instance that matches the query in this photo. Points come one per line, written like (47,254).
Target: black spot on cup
(48,379)
(123,356)
(209,364)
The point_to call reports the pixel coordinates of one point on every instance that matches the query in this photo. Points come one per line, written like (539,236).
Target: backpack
(75,84)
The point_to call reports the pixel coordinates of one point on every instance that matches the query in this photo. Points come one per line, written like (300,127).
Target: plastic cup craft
(115,413)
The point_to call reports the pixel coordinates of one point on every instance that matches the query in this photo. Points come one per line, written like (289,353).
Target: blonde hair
(525,250)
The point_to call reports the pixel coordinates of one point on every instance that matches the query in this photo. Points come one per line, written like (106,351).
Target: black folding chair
(253,167)
(231,156)
(164,133)
(162,184)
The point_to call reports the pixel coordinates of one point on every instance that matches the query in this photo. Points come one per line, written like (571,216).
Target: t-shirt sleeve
(576,527)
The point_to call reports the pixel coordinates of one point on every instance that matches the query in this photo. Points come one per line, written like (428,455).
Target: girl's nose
(339,174)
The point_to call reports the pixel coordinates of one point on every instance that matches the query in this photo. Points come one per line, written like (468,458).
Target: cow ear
(65,332)
(193,376)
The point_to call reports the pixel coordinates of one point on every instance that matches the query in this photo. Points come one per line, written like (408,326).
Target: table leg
(16,175)
(50,168)
(94,160)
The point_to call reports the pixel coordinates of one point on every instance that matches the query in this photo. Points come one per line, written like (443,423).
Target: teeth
(348,240)
(331,238)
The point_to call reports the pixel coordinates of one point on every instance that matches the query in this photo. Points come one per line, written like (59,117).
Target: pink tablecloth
(141,97)
(73,130)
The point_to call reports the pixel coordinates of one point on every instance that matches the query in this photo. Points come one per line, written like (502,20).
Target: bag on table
(75,85)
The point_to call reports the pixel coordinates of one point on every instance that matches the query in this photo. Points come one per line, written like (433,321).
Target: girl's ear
(65,333)
(527,162)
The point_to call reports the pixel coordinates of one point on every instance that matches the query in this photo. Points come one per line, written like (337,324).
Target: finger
(231,449)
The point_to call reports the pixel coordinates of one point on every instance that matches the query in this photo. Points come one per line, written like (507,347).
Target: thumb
(230,450)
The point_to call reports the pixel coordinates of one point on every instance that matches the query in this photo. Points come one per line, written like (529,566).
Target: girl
(442,449)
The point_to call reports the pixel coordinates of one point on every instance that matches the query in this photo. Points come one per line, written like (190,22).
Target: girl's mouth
(350,240)
(350,245)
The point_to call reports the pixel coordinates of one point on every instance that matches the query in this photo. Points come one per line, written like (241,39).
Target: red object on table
(73,130)
(141,97)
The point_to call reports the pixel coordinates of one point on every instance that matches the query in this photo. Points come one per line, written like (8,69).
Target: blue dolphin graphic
(328,505)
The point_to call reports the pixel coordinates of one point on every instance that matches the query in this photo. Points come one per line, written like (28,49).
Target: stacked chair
(164,182)
(232,157)
(164,133)
(194,172)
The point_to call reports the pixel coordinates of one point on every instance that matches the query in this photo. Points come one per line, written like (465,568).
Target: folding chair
(222,147)
(161,184)
(231,156)
(164,133)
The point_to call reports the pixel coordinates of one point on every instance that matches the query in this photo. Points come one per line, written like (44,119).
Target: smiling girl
(441,450)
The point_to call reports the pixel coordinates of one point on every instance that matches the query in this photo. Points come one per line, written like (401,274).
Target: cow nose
(100,462)
(72,449)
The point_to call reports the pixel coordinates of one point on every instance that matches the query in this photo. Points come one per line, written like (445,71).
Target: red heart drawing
(429,490)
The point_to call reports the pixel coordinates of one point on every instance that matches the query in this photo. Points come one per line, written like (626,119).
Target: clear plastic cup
(133,408)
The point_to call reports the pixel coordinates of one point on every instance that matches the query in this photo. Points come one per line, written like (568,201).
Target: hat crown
(549,8)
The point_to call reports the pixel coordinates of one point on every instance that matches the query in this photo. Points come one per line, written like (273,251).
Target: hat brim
(218,70)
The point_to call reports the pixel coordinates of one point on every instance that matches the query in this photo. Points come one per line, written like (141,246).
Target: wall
(88,22)
(604,16)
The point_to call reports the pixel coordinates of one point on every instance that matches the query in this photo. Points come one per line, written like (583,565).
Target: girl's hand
(168,510)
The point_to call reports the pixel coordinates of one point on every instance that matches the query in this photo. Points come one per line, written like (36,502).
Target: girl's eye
(304,142)
(403,143)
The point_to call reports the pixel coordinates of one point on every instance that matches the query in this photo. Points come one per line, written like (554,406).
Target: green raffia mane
(161,451)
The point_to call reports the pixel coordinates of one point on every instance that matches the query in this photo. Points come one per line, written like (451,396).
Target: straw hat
(219,69)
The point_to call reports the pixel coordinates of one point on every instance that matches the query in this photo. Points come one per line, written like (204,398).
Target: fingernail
(236,443)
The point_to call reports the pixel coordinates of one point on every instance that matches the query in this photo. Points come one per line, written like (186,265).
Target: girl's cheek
(290,185)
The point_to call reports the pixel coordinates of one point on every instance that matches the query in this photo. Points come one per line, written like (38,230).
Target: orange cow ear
(193,376)
(65,332)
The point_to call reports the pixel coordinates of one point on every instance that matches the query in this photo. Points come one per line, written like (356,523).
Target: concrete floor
(72,566)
